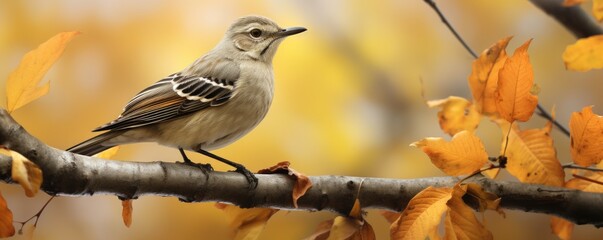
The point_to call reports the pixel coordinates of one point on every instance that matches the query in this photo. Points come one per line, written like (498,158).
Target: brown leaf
(422,215)
(22,84)
(464,154)
(26,173)
(302,182)
(456,114)
(531,155)
(586,137)
(6,219)
(248,223)
(126,212)
(461,222)
(514,101)
(483,80)
(584,55)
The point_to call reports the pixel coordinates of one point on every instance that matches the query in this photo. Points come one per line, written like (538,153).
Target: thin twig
(543,113)
(587,179)
(36,216)
(478,172)
(432,4)
(574,166)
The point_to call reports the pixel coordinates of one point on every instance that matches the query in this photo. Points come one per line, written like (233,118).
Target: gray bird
(211,103)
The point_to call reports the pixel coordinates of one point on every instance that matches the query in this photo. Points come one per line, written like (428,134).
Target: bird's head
(256,37)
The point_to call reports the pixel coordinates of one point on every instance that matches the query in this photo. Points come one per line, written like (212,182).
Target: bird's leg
(253,181)
(205,167)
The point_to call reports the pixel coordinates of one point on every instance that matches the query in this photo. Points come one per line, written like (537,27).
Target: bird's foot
(204,167)
(251,178)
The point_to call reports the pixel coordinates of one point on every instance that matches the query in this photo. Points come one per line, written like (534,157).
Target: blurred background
(348,97)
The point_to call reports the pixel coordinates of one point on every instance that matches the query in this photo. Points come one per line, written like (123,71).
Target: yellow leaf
(569,3)
(249,223)
(22,85)
(515,80)
(562,228)
(598,9)
(461,222)
(531,156)
(456,114)
(107,154)
(464,154)
(585,54)
(483,80)
(586,137)
(26,173)
(126,212)
(6,219)
(422,215)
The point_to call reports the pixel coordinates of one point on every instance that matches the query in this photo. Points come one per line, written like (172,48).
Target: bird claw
(206,168)
(251,178)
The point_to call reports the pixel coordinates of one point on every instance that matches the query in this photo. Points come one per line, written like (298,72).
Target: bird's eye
(255,33)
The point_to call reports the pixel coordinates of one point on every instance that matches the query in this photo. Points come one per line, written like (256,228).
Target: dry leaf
(302,182)
(456,114)
(514,101)
(6,219)
(464,154)
(598,9)
(569,3)
(422,215)
(22,85)
(343,228)
(562,228)
(531,155)
(483,80)
(586,137)
(126,212)
(26,173)
(485,200)
(107,154)
(585,54)
(248,223)
(461,222)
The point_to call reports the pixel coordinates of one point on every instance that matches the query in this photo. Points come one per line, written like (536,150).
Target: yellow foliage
(585,137)
(585,54)
(26,173)
(456,114)
(422,215)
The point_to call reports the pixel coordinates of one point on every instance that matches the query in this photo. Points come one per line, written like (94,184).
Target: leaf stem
(574,166)
(587,179)
(36,216)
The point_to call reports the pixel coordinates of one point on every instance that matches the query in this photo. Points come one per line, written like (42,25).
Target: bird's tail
(95,145)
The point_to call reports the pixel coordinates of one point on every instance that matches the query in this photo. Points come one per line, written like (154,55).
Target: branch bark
(574,19)
(69,174)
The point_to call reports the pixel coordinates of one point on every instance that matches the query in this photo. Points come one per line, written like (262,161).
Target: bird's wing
(179,94)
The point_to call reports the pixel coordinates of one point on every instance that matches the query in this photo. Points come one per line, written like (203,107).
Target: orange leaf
(22,84)
(26,173)
(514,101)
(302,182)
(456,114)
(562,228)
(485,200)
(483,80)
(6,219)
(569,3)
(390,216)
(343,228)
(422,215)
(532,158)
(464,154)
(585,54)
(247,223)
(126,212)
(107,154)
(586,137)
(598,9)
(461,222)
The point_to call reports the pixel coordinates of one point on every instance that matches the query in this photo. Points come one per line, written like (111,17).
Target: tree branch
(69,174)
(580,23)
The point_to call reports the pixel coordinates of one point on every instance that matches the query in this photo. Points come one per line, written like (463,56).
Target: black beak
(291,31)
